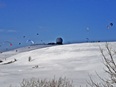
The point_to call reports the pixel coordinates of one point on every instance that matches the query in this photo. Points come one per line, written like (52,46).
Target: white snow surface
(73,61)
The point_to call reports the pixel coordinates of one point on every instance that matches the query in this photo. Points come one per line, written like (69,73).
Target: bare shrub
(110,65)
(61,82)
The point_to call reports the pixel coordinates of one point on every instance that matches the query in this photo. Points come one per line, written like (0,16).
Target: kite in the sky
(37,34)
(19,43)
(8,43)
(87,29)
(24,36)
(109,26)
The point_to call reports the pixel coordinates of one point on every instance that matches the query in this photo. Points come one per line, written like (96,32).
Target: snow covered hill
(74,61)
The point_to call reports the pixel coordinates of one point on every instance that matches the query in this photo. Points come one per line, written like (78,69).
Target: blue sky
(73,20)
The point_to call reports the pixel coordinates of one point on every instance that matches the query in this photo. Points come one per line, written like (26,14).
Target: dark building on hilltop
(59,41)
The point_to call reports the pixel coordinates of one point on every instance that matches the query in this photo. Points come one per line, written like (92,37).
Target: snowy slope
(74,61)
(6,54)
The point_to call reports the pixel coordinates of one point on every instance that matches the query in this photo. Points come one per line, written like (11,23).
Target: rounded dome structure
(59,40)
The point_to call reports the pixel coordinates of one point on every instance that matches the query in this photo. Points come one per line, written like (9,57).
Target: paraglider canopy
(30,41)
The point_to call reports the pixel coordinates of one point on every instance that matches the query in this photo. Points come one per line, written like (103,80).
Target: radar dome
(59,40)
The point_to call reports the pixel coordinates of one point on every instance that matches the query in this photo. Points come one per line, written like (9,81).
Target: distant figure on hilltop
(59,41)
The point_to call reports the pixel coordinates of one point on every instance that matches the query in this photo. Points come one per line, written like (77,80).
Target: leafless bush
(110,65)
(61,82)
